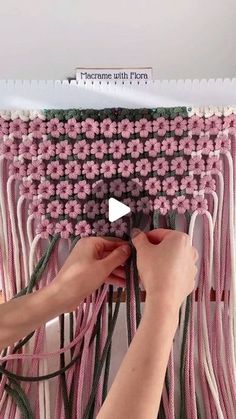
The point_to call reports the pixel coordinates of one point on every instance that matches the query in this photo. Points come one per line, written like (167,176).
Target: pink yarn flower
(188,184)
(99,148)
(199,204)
(64,189)
(126,168)
(64,227)
(17,128)
(81,189)
(8,149)
(119,228)
(90,127)
(82,229)
(55,169)
(108,169)
(161,166)
(99,188)
(135,186)
(46,189)
(161,126)
(18,170)
(222,143)
(108,127)
(135,148)
(205,144)
(81,149)
(90,170)
(130,203)
(73,209)
(179,165)
(187,145)
(213,125)
(36,208)
(178,125)
(170,185)
(36,170)
(27,149)
(162,205)
(196,124)
(143,127)
(3,128)
(72,169)
(72,128)
(196,165)
(45,228)
(100,227)
(46,149)
(63,149)
(143,167)
(152,186)
(37,128)
(181,204)
(117,149)
(91,209)
(214,164)
(104,208)
(117,187)
(125,128)
(55,208)
(152,147)
(229,123)
(208,184)
(55,127)
(144,205)
(169,145)
(27,189)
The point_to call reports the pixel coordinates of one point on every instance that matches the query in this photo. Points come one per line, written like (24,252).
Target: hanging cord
(108,358)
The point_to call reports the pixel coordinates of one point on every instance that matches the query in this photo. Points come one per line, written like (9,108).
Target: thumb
(117,257)
(139,239)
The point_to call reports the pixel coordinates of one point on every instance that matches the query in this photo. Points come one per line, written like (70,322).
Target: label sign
(114,74)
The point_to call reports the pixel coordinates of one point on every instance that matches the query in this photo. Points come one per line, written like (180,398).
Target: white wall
(179,38)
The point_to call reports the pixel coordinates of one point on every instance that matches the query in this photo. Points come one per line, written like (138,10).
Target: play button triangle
(117,209)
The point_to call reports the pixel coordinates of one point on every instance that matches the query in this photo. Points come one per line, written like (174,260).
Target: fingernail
(135,232)
(125,249)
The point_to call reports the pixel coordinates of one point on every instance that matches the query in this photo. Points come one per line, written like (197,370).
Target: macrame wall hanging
(52,163)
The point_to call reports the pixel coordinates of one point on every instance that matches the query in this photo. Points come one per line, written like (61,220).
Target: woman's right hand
(166,265)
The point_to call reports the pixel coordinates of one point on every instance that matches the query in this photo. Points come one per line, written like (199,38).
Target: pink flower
(99,188)
(27,189)
(196,165)
(117,149)
(130,203)
(179,165)
(152,147)
(72,128)
(64,189)
(90,170)
(3,128)
(161,166)
(162,205)
(189,184)
(119,228)
(229,123)
(223,143)
(46,149)
(143,167)
(178,125)
(126,168)
(81,149)
(144,205)
(101,227)
(208,184)
(73,209)
(55,127)
(170,185)
(152,185)
(36,170)
(117,187)
(17,169)
(205,144)
(135,148)
(169,145)
(18,128)
(46,189)
(143,127)
(125,128)
(63,149)
(64,227)
(195,124)
(104,208)
(91,209)
(36,208)
(72,169)
(187,145)
(161,126)
(8,149)
(45,228)
(55,169)
(99,148)
(37,128)
(27,149)
(55,208)
(135,186)
(108,169)
(199,203)
(214,164)
(108,127)
(213,125)
(90,127)
(181,204)
(81,189)
(82,229)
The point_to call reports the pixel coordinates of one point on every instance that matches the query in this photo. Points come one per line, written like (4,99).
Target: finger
(115,258)
(139,239)
(195,254)
(115,280)
(119,272)
(157,235)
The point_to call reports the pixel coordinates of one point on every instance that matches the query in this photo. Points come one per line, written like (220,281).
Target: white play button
(117,209)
